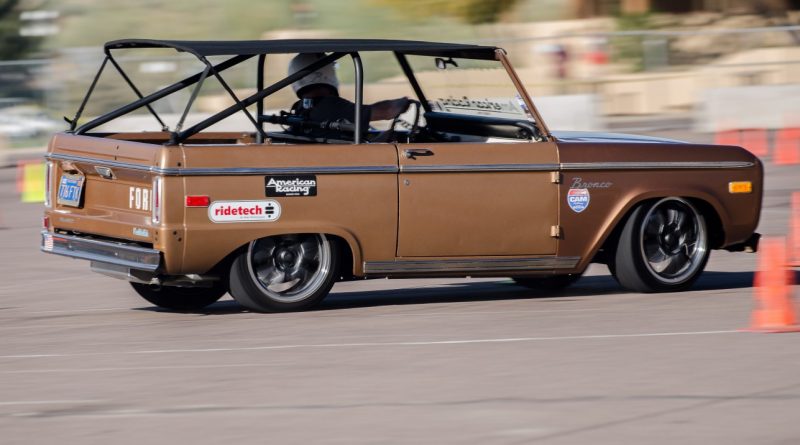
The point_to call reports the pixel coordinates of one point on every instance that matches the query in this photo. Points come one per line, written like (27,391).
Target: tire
(552,282)
(663,247)
(181,298)
(284,273)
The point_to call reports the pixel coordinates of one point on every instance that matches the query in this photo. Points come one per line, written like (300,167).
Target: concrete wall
(576,112)
(765,106)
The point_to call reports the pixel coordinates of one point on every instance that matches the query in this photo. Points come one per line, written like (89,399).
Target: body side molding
(470,265)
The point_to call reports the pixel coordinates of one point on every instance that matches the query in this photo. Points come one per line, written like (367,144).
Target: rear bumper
(118,253)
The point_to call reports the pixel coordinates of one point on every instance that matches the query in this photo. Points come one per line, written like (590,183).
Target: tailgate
(104,186)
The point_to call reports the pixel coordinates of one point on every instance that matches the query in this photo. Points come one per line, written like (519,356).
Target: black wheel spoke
(658,256)
(263,251)
(270,275)
(680,219)
(309,250)
(298,273)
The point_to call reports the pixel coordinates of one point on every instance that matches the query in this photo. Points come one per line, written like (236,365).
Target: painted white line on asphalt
(440,314)
(69,311)
(136,368)
(48,402)
(374,344)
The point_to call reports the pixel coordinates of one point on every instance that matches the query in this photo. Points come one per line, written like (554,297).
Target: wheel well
(345,254)
(716,232)
(345,271)
(608,249)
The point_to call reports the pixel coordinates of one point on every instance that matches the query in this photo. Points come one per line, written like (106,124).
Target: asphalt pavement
(84,360)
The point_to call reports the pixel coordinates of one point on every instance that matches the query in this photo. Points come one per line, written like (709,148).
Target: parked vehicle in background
(20,122)
(473,183)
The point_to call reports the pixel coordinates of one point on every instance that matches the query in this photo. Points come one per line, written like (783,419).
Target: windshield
(471,87)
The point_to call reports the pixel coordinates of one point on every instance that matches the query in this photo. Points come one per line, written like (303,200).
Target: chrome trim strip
(653,165)
(466,265)
(227,171)
(477,168)
(100,162)
(121,254)
(337,170)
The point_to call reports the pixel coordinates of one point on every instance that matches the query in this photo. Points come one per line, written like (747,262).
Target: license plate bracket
(70,190)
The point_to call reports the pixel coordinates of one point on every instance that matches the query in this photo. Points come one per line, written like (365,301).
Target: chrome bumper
(118,253)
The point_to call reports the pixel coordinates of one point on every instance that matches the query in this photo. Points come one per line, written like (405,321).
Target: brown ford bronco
(467,181)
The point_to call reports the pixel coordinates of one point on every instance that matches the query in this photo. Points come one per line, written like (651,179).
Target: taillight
(48,183)
(157,198)
(197,201)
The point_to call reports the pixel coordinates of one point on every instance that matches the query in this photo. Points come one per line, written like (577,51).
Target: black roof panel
(255,47)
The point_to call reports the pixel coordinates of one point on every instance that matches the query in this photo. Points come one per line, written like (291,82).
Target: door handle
(412,153)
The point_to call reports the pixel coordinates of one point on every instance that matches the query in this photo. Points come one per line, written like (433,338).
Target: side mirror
(442,63)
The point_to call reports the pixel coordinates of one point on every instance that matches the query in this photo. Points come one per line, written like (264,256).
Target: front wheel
(663,247)
(284,273)
(181,298)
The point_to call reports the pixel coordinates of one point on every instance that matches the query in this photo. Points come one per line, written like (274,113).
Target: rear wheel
(181,298)
(663,247)
(284,273)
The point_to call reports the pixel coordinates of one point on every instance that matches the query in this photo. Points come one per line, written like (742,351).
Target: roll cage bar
(245,50)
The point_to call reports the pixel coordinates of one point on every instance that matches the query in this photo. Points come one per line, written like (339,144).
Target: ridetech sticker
(244,211)
(578,199)
(291,185)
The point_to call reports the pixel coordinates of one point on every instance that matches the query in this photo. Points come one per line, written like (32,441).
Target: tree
(470,11)
(12,44)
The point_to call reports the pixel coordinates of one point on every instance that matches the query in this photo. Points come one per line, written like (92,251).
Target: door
(477,199)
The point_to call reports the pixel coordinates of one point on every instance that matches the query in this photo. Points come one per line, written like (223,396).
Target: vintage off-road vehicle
(470,182)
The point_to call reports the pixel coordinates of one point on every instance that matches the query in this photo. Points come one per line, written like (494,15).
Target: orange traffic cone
(727,137)
(773,287)
(787,146)
(794,232)
(755,141)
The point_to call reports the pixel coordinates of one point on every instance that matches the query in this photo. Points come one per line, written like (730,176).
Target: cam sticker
(244,211)
(286,185)
(578,199)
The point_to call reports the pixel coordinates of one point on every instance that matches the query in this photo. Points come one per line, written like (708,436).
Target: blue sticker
(578,199)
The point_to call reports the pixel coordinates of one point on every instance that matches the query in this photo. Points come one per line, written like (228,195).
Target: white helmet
(325,75)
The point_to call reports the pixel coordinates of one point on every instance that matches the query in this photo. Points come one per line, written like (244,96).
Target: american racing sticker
(578,199)
(244,211)
(300,185)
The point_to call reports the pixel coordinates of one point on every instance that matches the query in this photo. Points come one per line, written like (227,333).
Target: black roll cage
(179,135)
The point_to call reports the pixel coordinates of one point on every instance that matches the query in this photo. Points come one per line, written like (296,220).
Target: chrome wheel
(285,272)
(673,240)
(289,268)
(663,247)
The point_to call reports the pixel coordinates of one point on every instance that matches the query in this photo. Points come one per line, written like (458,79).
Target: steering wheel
(413,127)
(388,135)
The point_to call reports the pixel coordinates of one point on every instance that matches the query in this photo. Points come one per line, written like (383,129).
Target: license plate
(70,189)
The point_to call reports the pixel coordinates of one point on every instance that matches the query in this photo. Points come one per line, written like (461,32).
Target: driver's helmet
(325,75)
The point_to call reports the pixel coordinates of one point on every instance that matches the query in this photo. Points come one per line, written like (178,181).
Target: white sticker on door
(244,211)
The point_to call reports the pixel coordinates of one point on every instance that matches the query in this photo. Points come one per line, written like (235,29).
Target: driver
(320,101)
